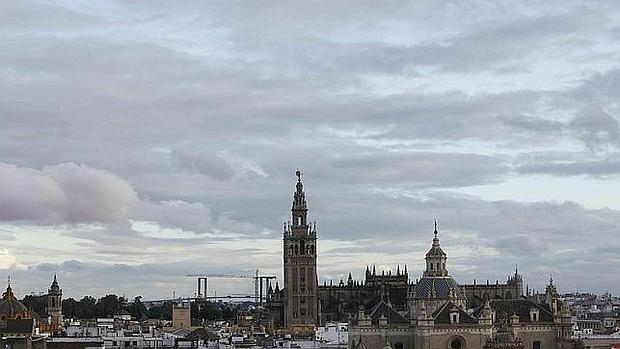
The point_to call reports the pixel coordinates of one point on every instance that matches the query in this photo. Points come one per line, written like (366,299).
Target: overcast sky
(144,140)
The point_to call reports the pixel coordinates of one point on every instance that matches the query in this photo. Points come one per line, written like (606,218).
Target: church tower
(300,278)
(436,258)
(54,303)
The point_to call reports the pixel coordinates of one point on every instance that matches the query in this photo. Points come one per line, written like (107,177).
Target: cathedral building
(387,310)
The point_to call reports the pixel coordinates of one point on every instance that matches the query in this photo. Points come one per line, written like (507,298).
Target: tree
(137,309)
(210,311)
(108,305)
(163,312)
(38,304)
(85,308)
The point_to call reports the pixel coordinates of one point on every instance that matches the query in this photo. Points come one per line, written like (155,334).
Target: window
(456,343)
(398,345)
(302,247)
(431,266)
(455,318)
(534,315)
(536,345)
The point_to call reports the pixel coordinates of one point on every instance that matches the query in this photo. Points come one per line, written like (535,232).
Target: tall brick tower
(300,279)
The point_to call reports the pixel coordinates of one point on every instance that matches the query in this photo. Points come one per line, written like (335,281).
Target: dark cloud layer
(144,140)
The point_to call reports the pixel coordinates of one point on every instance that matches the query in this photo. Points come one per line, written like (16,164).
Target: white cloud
(7,260)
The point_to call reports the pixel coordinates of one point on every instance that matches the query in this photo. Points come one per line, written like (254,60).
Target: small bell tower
(54,303)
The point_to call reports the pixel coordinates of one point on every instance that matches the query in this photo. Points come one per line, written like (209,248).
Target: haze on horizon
(145,140)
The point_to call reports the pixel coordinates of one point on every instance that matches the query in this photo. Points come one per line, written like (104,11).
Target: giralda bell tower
(300,279)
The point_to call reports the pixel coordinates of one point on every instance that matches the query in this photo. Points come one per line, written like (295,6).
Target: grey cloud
(196,217)
(205,163)
(420,169)
(605,168)
(64,193)
(534,125)
(520,245)
(596,127)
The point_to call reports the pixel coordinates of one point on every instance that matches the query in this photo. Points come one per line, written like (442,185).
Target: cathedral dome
(439,287)
(10,307)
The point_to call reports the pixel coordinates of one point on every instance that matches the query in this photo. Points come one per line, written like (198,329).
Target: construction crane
(261,283)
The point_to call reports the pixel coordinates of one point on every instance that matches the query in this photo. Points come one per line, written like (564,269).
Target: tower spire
(436,257)
(9,291)
(299,211)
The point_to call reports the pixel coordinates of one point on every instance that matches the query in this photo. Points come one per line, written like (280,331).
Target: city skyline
(143,141)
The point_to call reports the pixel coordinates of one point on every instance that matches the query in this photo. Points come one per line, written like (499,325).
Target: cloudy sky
(144,140)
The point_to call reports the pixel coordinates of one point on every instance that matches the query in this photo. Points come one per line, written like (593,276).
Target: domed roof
(441,287)
(10,307)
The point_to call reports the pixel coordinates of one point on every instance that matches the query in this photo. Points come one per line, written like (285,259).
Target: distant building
(438,317)
(182,316)
(386,310)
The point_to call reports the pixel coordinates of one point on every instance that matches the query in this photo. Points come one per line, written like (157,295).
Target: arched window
(457,343)
(302,247)
(431,266)
(296,249)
